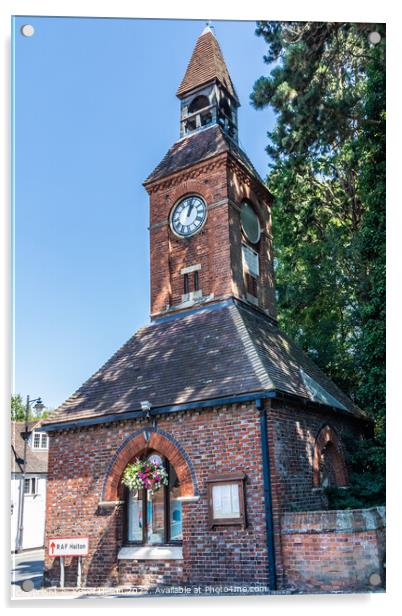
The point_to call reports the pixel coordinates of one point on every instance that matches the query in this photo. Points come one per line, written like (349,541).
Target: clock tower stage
(245,425)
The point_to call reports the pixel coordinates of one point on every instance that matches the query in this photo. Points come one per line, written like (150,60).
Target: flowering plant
(144,474)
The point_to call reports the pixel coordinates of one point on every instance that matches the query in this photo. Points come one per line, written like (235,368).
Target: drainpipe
(269,526)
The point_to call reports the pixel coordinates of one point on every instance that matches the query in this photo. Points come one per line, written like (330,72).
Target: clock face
(188,216)
(250,223)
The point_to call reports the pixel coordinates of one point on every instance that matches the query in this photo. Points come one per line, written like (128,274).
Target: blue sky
(94,112)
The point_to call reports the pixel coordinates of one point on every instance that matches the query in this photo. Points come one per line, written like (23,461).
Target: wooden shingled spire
(206,64)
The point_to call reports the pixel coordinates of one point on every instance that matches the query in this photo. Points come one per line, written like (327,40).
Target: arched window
(327,466)
(329,469)
(154,519)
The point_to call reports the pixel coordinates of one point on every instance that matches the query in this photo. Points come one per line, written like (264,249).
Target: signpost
(59,547)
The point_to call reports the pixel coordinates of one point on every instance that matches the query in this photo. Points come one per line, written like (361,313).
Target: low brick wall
(334,550)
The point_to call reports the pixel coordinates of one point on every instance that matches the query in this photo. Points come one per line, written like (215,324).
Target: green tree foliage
(327,88)
(17,408)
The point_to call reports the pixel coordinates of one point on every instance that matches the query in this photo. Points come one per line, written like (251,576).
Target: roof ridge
(251,350)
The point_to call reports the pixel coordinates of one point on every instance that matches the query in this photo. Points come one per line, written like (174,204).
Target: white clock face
(188,216)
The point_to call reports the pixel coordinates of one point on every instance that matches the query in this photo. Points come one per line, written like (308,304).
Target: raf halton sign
(68,546)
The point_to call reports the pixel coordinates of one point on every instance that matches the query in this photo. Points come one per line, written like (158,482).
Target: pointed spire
(206,64)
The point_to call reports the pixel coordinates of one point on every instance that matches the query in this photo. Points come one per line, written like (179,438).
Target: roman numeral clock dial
(188,216)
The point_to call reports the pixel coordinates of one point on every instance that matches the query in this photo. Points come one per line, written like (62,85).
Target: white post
(79,572)
(61,571)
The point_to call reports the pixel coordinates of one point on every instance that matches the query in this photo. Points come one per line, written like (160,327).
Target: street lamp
(38,406)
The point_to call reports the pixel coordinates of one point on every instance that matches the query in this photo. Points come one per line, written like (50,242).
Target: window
(327,465)
(251,285)
(329,468)
(196,281)
(39,440)
(155,519)
(226,503)
(186,285)
(30,486)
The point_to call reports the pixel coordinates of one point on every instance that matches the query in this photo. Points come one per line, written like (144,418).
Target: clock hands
(190,208)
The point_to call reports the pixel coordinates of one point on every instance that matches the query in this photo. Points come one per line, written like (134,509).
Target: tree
(17,408)
(328,178)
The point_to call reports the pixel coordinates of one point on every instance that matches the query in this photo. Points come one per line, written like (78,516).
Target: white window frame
(43,440)
(33,486)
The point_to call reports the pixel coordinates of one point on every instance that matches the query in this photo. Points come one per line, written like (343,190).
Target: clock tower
(210,218)
(245,426)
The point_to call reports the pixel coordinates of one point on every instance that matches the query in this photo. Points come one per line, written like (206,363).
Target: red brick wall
(292,433)
(333,550)
(293,430)
(217,247)
(217,440)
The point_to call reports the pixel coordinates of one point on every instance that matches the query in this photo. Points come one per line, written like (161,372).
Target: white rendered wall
(34,514)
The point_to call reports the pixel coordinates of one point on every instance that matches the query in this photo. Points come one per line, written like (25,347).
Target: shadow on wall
(100,567)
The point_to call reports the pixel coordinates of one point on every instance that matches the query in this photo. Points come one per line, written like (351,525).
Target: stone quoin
(245,424)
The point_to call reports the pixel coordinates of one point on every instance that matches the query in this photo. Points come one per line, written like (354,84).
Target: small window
(30,486)
(196,281)
(40,440)
(226,503)
(251,284)
(186,285)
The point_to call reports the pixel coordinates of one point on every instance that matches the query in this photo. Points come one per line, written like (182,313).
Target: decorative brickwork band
(135,445)
(328,443)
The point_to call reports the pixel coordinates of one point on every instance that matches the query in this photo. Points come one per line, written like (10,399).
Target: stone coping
(340,521)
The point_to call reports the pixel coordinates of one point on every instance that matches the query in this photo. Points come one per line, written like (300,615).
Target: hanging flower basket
(144,474)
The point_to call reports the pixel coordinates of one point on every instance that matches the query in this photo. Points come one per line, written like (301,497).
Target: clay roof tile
(206,64)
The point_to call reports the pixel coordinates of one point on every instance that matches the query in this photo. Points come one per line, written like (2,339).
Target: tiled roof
(218,351)
(206,64)
(197,147)
(36,458)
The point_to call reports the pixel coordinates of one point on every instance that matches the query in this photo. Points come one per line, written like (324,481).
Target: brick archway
(135,445)
(191,186)
(328,438)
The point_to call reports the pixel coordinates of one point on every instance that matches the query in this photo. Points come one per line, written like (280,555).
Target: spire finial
(208,28)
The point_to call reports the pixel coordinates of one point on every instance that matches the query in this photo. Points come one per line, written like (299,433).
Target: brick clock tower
(210,218)
(246,426)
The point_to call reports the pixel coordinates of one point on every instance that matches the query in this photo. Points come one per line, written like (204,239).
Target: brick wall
(85,467)
(334,550)
(292,434)
(217,247)
(218,440)
(294,429)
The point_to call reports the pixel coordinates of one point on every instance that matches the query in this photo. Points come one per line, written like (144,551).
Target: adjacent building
(31,487)
(246,425)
